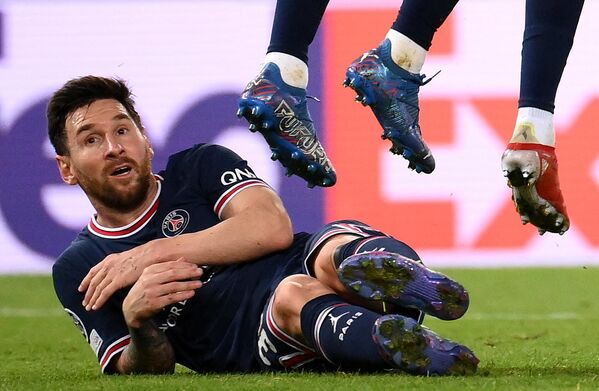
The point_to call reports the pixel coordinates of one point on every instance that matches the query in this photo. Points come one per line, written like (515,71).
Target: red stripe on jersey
(112,350)
(96,229)
(229,194)
(297,359)
(141,222)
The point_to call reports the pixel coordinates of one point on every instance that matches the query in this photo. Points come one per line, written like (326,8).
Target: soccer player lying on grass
(185,266)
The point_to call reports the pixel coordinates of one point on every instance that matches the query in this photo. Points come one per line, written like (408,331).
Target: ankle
(534,126)
(293,70)
(406,53)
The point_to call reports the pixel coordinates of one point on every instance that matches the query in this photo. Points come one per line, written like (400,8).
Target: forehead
(97,112)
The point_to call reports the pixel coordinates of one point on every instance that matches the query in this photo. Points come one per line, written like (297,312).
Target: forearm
(149,352)
(238,239)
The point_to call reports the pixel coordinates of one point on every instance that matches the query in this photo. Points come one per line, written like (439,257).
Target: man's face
(110,157)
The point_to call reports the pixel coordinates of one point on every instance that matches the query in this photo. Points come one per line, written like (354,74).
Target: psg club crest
(175,222)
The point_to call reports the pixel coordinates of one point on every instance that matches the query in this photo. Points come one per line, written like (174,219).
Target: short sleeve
(105,329)
(223,174)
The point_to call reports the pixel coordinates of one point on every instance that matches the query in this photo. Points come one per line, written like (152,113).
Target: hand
(116,271)
(160,285)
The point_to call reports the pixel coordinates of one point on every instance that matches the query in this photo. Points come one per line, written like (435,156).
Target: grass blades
(531,329)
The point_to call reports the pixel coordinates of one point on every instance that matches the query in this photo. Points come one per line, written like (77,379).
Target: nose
(113,147)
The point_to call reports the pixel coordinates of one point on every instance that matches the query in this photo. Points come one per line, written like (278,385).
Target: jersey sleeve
(223,174)
(105,329)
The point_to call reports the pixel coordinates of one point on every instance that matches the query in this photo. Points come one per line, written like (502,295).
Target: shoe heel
(357,82)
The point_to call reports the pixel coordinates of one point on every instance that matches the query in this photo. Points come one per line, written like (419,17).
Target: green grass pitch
(531,329)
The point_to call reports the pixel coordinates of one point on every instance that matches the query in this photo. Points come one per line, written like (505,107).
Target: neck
(111,218)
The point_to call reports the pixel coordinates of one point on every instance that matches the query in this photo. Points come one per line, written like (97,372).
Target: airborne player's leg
(275,101)
(530,162)
(388,78)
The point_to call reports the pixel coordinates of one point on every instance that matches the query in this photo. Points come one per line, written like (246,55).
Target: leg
(529,162)
(383,269)
(294,27)
(306,312)
(275,104)
(387,78)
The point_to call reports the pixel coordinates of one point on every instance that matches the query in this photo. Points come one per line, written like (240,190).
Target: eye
(91,140)
(121,131)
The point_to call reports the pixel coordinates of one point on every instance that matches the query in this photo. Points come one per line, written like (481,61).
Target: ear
(149,145)
(64,167)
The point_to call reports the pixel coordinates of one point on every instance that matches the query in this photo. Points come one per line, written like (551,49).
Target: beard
(104,193)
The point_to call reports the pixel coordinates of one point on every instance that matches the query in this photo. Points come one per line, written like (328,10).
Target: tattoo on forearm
(149,351)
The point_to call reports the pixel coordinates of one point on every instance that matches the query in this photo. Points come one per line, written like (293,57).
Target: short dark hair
(80,92)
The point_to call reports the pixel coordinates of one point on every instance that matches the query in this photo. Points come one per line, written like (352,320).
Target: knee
(291,295)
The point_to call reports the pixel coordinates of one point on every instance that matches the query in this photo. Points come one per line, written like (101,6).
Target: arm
(148,352)
(159,285)
(255,223)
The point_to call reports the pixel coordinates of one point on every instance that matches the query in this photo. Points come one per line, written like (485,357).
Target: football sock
(549,31)
(294,26)
(373,243)
(534,126)
(419,19)
(405,52)
(293,70)
(341,332)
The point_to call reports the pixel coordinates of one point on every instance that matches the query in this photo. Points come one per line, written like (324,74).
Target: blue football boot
(280,113)
(415,349)
(390,277)
(392,94)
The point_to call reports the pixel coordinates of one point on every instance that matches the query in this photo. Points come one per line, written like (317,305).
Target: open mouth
(121,171)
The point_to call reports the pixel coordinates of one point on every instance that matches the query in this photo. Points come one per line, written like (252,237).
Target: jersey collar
(130,229)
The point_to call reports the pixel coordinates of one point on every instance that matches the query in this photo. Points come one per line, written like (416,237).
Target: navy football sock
(420,19)
(373,243)
(295,25)
(548,36)
(342,333)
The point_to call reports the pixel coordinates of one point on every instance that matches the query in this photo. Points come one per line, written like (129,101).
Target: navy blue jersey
(217,329)
(192,192)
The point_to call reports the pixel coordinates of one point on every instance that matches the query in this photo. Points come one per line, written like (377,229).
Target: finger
(93,283)
(188,273)
(170,276)
(102,287)
(178,286)
(86,280)
(172,270)
(174,297)
(103,292)
(169,265)
(99,289)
